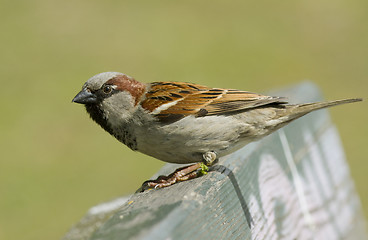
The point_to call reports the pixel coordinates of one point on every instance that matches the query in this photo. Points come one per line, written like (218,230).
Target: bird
(185,123)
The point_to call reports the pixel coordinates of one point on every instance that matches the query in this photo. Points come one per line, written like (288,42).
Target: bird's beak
(84,97)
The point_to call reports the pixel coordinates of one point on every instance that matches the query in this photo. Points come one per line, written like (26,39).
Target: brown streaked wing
(161,93)
(193,99)
(235,100)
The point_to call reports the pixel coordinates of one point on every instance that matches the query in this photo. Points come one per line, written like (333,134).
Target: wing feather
(171,101)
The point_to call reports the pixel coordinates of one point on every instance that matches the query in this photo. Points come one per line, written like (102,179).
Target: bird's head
(112,96)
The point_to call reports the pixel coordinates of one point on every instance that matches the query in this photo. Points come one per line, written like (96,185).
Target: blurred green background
(56,163)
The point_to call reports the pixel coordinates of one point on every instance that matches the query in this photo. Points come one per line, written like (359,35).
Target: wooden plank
(293,184)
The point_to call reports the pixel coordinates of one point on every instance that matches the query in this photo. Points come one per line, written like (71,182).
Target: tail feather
(319,105)
(300,110)
(291,112)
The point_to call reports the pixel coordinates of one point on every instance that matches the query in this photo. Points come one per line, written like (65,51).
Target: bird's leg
(179,175)
(183,174)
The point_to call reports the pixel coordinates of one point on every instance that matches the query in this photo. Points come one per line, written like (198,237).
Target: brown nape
(125,83)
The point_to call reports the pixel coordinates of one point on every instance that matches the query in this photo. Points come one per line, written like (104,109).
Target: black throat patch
(97,115)
(122,134)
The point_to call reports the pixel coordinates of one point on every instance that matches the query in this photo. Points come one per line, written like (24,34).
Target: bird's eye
(107,89)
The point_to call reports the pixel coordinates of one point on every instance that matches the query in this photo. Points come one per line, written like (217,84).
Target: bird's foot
(179,175)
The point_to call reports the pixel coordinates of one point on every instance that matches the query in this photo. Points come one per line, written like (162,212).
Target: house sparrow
(184,123)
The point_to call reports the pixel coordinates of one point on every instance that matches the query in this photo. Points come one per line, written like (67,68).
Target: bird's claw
(179,175)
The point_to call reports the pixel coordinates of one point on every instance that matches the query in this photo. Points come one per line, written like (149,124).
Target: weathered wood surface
(293,184)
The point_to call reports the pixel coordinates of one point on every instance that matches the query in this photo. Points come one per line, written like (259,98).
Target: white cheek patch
(118,108)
